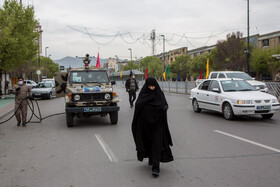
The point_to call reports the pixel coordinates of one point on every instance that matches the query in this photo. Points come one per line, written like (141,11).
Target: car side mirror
(216,90)
(113,82)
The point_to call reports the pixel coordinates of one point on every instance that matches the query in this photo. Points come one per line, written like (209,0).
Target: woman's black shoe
(155,172)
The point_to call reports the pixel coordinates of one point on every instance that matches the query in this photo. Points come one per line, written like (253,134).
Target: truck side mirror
(113,82)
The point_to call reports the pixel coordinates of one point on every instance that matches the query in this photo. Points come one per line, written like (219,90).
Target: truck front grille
(91,96)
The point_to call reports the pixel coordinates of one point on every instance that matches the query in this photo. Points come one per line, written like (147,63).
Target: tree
(230,54)
(130,66)
(262,61)
(154,66)
(181,65)
(17,35)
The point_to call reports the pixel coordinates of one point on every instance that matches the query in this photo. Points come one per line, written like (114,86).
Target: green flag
(167,71)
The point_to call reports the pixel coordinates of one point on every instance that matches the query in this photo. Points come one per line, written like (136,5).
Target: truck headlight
(244,102)
(107,96)
(77,97)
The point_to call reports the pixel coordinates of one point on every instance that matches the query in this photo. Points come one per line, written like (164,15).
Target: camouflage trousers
(21,112)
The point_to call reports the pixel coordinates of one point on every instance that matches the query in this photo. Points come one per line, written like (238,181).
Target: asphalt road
(208,150)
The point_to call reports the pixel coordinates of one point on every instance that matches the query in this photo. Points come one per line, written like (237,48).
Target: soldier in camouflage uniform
(21,91)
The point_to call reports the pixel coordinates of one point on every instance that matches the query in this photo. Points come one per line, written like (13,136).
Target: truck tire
(114,117)
(70,119)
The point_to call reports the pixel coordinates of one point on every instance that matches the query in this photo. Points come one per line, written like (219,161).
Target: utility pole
(248,39)
(163,51)
(153,37)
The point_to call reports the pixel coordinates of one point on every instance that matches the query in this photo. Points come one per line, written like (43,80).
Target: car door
(202,92)
(213,96)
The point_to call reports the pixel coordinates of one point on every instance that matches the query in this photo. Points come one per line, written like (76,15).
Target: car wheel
(196,106)
(228,112)
(114,117)
(267,116)
(70,119)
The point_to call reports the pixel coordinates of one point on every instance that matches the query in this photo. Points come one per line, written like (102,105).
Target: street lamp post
(163,51)
(130,53)
(248,39)
(46,51)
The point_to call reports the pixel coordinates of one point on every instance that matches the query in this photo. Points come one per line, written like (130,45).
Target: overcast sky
(75,27)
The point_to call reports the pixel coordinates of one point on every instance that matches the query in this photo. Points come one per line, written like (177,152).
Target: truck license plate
(263,107)
(92,109)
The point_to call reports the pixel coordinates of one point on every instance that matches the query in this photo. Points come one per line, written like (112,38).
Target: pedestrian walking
(150,127)
(131,87)
(22,92)
(277,77)
(6,87)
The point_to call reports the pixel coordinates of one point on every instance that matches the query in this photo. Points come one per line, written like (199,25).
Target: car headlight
(77,97)
(107,96)
(244,102)
(274,100)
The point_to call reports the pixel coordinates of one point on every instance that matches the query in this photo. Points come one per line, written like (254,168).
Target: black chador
(149,126)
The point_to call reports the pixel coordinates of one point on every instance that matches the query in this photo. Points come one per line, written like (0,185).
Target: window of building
(265,42)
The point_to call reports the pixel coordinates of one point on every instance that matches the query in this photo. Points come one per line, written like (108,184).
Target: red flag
(146,73)
(98,61)
(200,77)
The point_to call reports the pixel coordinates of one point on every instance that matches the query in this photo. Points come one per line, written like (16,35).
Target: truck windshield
(243,76)
(81,77)
(236,86)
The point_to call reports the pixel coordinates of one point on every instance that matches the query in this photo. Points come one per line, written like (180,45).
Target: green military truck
(87,91)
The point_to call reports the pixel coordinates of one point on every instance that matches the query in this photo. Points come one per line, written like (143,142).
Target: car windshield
(236,86)
(44,85)
(81,77)
(239,75)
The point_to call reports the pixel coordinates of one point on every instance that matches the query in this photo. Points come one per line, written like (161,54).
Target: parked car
(233,97)
(44,90)
(30,83)
(261,86)
(49,80)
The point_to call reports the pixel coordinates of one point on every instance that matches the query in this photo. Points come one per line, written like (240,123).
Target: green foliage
(47,66)
(229,54)
(130,66)
(260,60)
(181,65)
(263,62)
(154,65)
(17,35)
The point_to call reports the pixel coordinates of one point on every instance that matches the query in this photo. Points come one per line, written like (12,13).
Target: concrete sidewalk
(7,103)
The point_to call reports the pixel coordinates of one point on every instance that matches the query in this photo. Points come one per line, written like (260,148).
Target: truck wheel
(114,118)
(267,116)
(70,119)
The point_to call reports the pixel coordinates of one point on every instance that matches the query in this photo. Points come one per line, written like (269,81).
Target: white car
(44,90)
(261,86)
(30,83)
(233,97)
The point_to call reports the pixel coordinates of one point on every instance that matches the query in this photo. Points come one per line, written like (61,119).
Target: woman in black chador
(150,128)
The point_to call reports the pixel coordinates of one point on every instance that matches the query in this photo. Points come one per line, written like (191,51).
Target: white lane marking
(248,141)
(106,149)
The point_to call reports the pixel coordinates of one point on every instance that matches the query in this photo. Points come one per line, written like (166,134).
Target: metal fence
(185,87)
(167,86)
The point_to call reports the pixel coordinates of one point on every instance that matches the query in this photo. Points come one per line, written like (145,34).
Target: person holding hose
(22,93)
